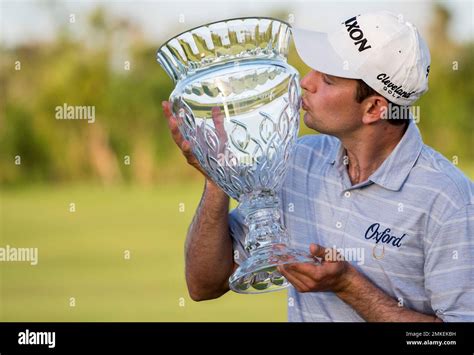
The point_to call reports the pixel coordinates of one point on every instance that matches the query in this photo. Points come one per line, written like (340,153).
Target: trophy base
(259,273)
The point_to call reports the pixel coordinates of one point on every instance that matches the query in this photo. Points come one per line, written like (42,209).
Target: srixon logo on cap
(356,34)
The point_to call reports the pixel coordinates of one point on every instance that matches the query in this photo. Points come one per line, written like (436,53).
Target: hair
(364,91)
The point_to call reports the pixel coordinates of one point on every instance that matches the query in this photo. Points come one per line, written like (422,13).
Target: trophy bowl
(237,101)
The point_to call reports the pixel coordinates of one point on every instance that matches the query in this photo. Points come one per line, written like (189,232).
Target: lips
(303,105)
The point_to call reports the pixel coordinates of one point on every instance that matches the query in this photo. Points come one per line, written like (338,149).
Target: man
(367,184)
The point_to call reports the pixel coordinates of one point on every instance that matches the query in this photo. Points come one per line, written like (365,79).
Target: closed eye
(326,80)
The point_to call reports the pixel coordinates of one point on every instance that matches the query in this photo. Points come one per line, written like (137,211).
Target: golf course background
(108,204)
(119,255)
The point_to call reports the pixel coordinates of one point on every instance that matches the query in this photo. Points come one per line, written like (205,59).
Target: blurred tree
(446,109)
(111,67)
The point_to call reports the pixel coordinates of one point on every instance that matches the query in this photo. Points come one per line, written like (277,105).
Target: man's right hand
(208,248)
(183,145)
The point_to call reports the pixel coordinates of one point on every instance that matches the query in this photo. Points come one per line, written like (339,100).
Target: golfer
(391,218)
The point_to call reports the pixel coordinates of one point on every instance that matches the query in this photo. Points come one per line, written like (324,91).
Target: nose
(308,82)
(303,82)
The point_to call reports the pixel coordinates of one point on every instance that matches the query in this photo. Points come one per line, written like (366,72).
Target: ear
(374,109)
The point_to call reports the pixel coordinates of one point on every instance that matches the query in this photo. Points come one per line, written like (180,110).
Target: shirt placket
(345,200)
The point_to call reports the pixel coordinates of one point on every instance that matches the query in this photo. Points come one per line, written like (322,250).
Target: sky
(23,21)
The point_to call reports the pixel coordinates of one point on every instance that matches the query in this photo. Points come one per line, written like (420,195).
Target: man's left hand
(331,275)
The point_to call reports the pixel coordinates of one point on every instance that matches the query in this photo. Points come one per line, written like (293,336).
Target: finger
(186,147)
(317,250)
(172,124)
(172,121)
(187,151)
(305,269)
(325,254)
(175,133)
(302,282)
(190,157)
(291,279)
(166,105)
(218,119)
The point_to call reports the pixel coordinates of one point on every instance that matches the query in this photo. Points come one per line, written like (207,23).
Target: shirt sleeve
(449,268)
(238,231)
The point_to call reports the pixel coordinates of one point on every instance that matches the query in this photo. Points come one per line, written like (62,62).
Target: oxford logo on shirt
(375,232)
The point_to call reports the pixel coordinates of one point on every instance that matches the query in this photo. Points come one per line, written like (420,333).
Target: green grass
(81,255)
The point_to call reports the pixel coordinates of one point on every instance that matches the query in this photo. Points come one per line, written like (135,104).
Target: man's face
(330,104)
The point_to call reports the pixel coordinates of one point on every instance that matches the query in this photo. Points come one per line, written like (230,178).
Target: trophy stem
(267,242)
(263,218)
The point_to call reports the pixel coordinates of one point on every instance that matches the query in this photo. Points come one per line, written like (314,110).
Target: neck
(366,150)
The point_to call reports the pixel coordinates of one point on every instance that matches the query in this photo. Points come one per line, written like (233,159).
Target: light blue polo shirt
(409,228)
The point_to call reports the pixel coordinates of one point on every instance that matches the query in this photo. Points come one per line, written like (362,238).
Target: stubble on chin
(309,120)
(314,124)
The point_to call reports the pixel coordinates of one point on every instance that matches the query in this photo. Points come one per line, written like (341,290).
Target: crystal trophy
(237,101)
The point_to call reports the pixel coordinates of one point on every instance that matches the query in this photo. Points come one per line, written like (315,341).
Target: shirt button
(347,194)
(338,225)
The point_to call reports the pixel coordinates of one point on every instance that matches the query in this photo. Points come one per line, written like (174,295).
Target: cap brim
(317,52)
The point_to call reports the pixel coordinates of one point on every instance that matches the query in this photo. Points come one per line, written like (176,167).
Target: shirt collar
(395,169)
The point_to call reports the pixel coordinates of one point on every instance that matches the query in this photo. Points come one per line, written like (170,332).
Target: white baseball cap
(380,48)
